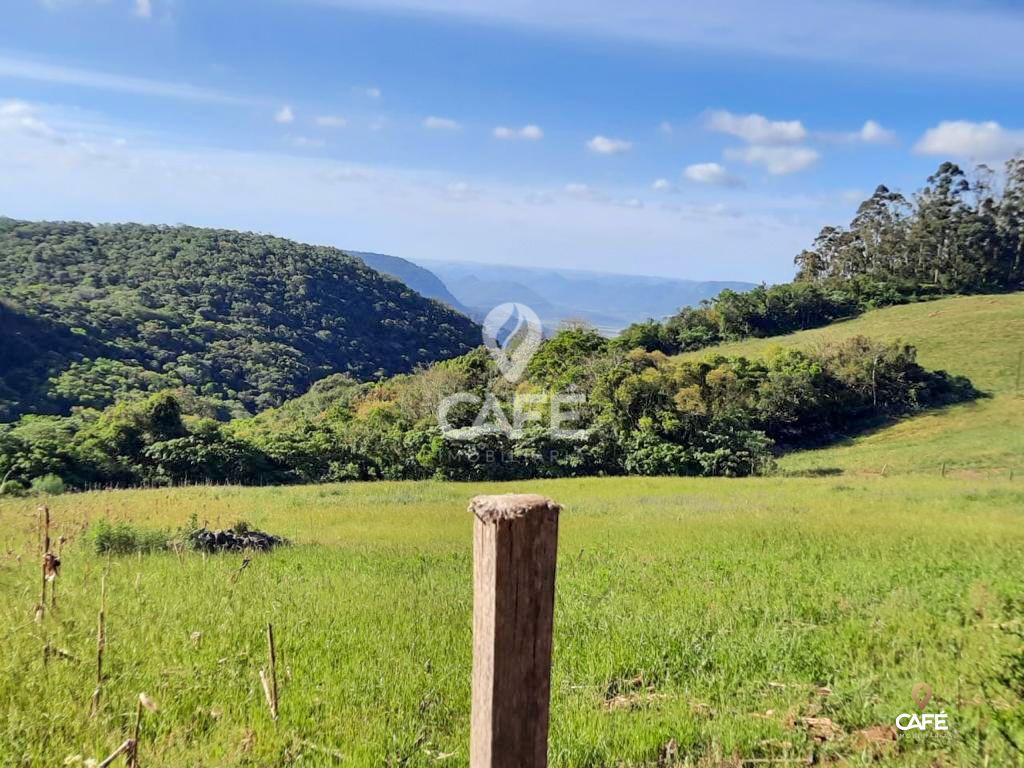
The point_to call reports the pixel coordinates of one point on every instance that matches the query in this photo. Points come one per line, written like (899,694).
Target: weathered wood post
(515,541)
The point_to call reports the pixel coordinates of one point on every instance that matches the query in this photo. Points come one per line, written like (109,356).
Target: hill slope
(241,316)
(420,279)
(981,337)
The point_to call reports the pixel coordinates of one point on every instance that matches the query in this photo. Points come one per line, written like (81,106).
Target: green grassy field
(698,621)
(981,337)
(710,612)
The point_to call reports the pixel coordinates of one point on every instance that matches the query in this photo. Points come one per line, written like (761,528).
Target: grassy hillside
(981,337)
(241,316)
(713,614)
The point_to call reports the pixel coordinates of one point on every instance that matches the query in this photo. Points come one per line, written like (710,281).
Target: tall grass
(704,618)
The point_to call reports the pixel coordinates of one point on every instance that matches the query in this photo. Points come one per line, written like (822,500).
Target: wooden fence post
(515,541)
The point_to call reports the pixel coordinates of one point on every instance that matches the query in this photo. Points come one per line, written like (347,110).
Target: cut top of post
(510,506)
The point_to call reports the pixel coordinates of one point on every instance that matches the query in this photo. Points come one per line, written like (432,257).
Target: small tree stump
(515,541)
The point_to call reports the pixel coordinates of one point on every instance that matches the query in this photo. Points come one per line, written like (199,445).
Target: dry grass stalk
(51,570)
(133,752)
(125,747)
(268,693)
(268,678)
(245,564)
(43,513)
(101,643)
(44,541)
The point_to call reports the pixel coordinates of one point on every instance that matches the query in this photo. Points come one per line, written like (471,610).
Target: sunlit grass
(713,610)
(981,337)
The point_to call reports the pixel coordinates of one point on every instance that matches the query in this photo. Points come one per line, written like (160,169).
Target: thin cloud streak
(887,36)
(17,68)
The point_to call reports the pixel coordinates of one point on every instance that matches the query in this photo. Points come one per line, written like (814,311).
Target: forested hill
(91,311)
(416,277)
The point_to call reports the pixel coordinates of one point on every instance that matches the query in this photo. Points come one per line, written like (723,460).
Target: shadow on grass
(944,391)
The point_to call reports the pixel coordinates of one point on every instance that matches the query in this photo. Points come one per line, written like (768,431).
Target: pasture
(697,622)
(981,337)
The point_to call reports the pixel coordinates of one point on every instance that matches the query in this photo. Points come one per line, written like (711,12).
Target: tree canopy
(92,312)
(961,233)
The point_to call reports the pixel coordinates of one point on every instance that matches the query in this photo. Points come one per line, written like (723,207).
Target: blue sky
(651,137)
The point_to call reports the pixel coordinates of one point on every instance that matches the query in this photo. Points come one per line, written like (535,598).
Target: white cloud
(25,118)
(284,115)
(602,145)
(331,121)
(14,108)
(778,161)
(531,132)
(143,8)
(872,132)
(29,69)
(373,92)
(711,173)
(317,199)
(527,132)
(77,140)
(434,123)
(662,185)
(757,129)
(979,141)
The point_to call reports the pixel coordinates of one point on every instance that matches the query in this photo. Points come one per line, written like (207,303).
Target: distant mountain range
(607,301)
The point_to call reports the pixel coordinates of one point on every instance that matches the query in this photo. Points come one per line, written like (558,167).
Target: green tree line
(960,233)
(645,414)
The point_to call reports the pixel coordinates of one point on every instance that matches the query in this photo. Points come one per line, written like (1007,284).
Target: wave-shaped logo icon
(512,334)
(921,693)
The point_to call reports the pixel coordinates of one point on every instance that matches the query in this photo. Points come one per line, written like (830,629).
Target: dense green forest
(958,234)
(645,412)
(92,313)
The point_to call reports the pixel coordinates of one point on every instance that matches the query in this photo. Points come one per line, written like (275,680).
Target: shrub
(124,539)
(47,485)
(12,488)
